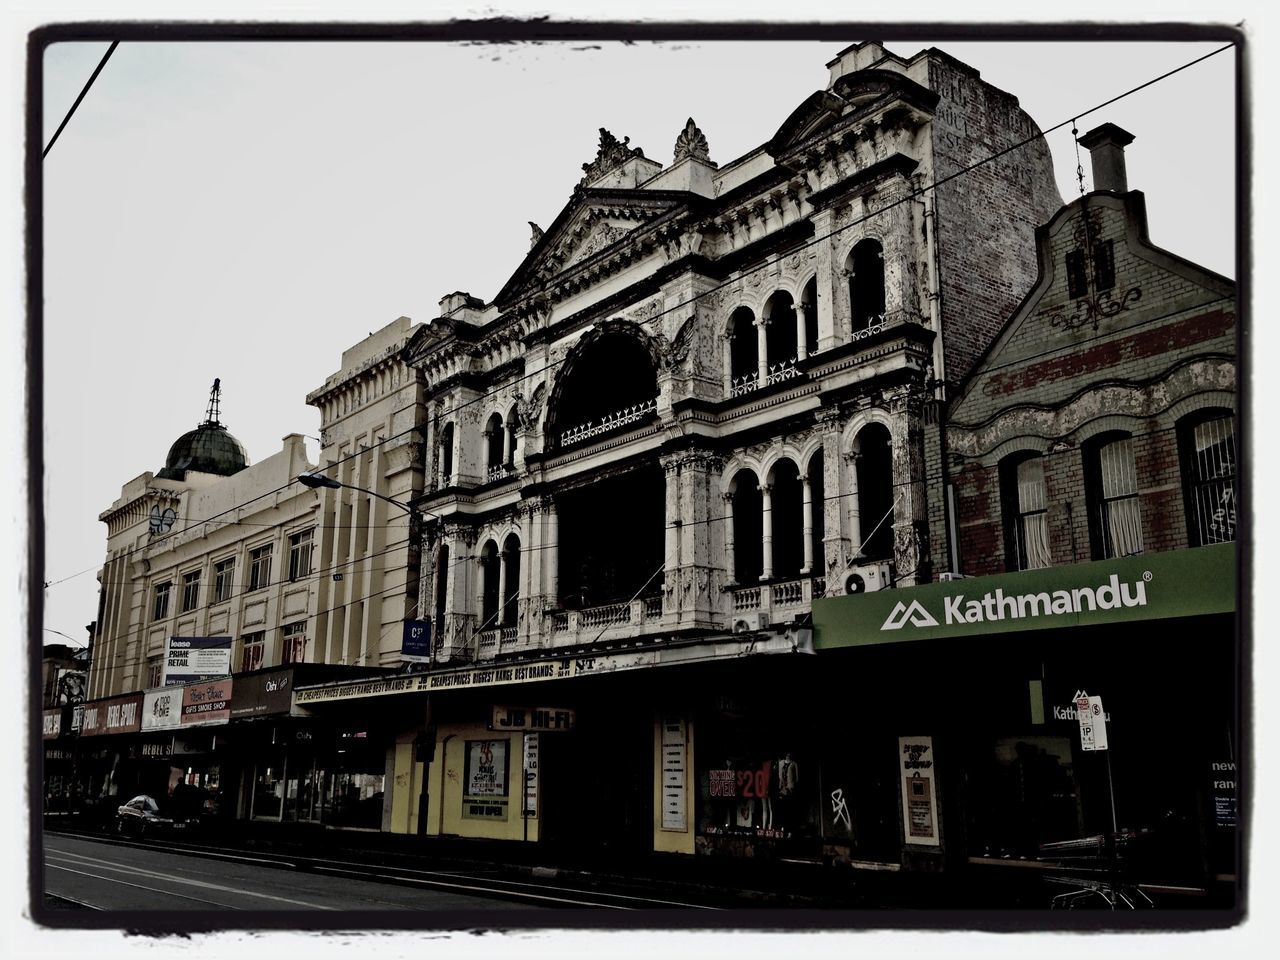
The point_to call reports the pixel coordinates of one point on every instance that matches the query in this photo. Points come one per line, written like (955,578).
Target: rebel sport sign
(1145,587)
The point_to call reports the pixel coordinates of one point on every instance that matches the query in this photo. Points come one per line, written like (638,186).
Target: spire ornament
(611,154)
(537,234)
(691,143)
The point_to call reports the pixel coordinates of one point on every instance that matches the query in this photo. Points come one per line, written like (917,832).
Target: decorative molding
(691,143)
(610,155)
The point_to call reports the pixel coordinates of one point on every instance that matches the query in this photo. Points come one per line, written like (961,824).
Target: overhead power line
(92,77)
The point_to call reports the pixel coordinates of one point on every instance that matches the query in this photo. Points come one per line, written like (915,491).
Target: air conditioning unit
(948,576)
(750,622)
(866,577)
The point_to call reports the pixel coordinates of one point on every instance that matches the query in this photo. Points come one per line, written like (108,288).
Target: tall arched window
(787,505)
(489,575)
(1111,486)
(442,591)
(495,441)
(512,420)
(780,334)
(1208,454)
(446,455)
(747,527)
(865,267)
(817,519)
(809,307)
(744,351)
(1025,505)
(511,581)
(874,467)
(608,384)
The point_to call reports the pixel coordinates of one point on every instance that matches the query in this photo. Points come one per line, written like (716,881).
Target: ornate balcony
(610,422)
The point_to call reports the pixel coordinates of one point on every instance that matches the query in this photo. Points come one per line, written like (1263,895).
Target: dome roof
(209,448)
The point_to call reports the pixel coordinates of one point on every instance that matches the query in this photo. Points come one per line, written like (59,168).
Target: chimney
(1106,149)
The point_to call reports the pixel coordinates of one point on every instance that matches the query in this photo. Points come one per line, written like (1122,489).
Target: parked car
(143,815)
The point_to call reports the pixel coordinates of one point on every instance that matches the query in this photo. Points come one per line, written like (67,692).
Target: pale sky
(250,210)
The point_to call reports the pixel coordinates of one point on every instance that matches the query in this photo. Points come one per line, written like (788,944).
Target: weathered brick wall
(987,217)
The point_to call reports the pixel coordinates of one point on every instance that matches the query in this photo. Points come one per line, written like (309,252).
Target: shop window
(224,579)
(190,591)
(155,667)
(1026,525)
(300,555)
(484,790)
(294,643)
(160,601)
(253,651)
(1112,488)
(865,268)
(260,567)
(268,790)
(354,787)
(1208,451)
(1025,795)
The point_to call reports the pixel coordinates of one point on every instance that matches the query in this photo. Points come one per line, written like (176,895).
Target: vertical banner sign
(919,791)
(1093,723)
(415,642)
(674,774)
(195,660)
(530,806)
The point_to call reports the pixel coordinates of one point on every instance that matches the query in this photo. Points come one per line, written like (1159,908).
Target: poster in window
(485,786)
(919,791)
(674,774)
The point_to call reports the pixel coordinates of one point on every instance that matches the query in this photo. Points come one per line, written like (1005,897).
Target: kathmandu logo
(901,613)
(997,605)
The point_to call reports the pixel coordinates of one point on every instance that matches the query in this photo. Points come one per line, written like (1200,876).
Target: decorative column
(855,516)
(730,557)
(802,348)
(827,277)
(766,539)
(728,364)
(807,491)
(551,550)
(501,615)
(762,351)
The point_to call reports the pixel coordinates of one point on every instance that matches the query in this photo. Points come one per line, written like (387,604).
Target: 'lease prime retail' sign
(195,659)
(1146,587)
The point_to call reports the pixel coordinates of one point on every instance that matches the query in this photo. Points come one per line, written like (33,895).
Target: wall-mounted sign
(52,723)
(533,718)
(71,686)
(484,789)
(415,643)
(675,775)
(1223,790)
(1093,723)
(77,717)
(207,702)
(1152,586)
(162,708)
(263,694)
(117,715)
(919,791)
(529,807)
(194,659)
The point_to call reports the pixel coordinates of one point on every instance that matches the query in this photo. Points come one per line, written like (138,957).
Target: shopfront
(984,679)
(104,771)
(58,760)
(180,752)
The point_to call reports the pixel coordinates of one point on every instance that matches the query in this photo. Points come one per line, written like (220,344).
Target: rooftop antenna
(215,394)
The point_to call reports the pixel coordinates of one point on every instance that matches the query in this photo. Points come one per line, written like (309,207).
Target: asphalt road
(108,876)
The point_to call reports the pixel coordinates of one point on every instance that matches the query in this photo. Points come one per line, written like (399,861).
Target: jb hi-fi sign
(1149,587)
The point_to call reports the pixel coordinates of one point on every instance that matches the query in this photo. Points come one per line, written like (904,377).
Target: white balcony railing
(782,595)
(743,384)
(609,422)
(783,370)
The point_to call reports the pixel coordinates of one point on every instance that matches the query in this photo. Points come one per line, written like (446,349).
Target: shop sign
(195,659)
(52,722)
(263,694)
(1223,789)
(118,715)
(162,708)
(485,787)
(674,775)
(207,702)
(529,807)
(156,750)
(919,791)
(1147,587)
(415,642)
(1093,724)
(533,718)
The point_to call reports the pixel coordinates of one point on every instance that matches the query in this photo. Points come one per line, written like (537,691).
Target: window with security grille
(190,590)
(224,579)
(1209,474)
(253,651)
(1026,514)
(160,601)
(1113,487)
(300,555)
(294,645)
(260,567)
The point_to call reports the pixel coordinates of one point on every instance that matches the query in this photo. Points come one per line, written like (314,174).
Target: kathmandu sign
(1145,587)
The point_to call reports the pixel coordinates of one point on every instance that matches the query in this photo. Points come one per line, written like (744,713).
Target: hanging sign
(919,791)
(1093,723)
(530,805)
(674,775)
(415,642)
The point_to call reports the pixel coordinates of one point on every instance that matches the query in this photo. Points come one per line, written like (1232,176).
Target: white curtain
(1031,513)
(1120,511)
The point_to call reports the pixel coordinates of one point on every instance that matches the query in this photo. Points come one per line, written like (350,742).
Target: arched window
(512,419)
(747,527)
(446,455)
(809,307)
(489,574)
(874,465)
(787,506)
(609,384)
(744,351)
(780,335)
(1025,505)
(511,581)
(865,267)
(1207,442)
(495,440)
(442,591)
(1111,487)
(817,519)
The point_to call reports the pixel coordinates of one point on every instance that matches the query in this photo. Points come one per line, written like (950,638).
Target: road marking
(126,883)
(462,886)
(83,860)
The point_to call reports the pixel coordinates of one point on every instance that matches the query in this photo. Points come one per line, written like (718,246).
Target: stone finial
(691,143)
(1106,151)
(610,154)
(537,234)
